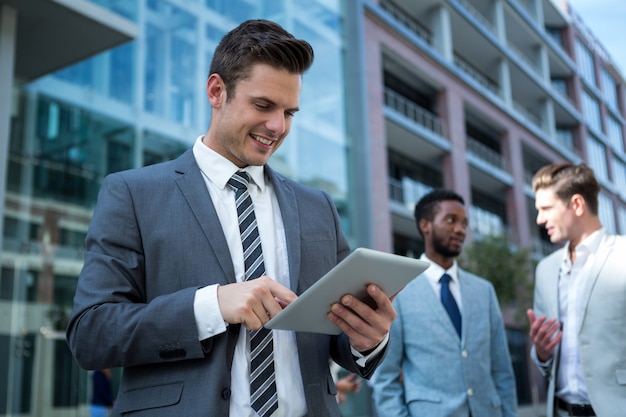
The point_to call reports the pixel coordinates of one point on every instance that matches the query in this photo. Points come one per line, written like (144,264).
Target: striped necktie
(263,396)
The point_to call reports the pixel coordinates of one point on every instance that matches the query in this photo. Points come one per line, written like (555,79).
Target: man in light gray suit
(169,289)
(431,369)
(578,325)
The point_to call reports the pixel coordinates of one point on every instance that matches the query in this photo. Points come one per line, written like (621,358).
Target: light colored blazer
(602,331)
(429,371)
(154,239)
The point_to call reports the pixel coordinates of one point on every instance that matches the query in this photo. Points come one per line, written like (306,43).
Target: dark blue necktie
(263,395)
(449,304)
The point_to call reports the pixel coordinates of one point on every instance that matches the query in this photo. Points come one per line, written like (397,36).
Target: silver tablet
(351,276)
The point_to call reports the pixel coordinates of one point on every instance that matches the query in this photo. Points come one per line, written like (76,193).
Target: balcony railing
(528,114)
(407,191)
(482,79)
(406,20)
(523,57)
(32,247)
(484,153)
(484,223)
(414,112)
(478,16)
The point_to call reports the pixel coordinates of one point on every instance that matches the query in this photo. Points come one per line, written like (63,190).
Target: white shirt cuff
(544,367)
(362,360)
(206,309)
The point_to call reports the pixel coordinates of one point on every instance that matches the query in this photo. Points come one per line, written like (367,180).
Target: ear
(216,90)
(578,204)
(424,226)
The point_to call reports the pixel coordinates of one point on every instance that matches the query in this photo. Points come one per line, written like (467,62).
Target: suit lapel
(468,311)
(286,197)
(600,257)
(191,184)
(425,293)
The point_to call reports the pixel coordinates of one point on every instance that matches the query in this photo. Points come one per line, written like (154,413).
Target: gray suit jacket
(442,375)
(154,240)
(602,331)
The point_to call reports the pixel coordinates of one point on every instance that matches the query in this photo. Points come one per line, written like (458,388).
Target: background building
(403,96)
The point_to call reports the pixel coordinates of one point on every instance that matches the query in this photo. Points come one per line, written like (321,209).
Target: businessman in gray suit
(578,324)
(164,291)
(432,368)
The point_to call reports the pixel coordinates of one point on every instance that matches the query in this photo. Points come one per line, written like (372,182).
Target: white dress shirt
(570,382)
(433,274)
(217,171)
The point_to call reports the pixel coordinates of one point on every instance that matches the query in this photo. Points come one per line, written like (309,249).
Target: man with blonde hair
(578,323)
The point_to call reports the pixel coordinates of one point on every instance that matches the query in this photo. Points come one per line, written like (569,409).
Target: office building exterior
(403,96)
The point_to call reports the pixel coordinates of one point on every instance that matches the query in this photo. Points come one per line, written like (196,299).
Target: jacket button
(226,394)
(470,392)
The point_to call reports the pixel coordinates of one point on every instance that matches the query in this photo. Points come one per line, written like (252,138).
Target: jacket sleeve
(501,368)
(388,388)
(115,322)
(540,308)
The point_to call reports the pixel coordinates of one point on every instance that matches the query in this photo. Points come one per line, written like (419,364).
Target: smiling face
(251,122)
(557,216)
(445,234)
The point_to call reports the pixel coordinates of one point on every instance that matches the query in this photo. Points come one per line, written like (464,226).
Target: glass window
(591,111)
(614,132)
(597,158)
(20,351)
(79,74)
(585,62)
(126,8)
(410,180)
(565,137)
(560,85)
(487,215)
(74,150)
(171,63)
(237,10)
(606,213)
(121,85)
(320,162)
(555,34)
(619,176)
(621,213)
(159,148)
(609,89)
(485,223)
(70,381)
(154,78)
(109,74)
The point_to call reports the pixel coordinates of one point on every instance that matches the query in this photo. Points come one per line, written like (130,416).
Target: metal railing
(482,79)
(414,112)
(484,153)
(407,191)
(528,115)
(478,16)
(406,20)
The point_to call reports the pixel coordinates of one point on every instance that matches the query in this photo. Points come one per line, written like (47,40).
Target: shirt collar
(434,272)
(218,169)
(589,244)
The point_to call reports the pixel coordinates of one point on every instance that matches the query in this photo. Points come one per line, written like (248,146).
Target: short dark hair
(428,206)
(568,179)
(259,41)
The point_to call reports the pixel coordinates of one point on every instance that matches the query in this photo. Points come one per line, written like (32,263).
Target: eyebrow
(273,103)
